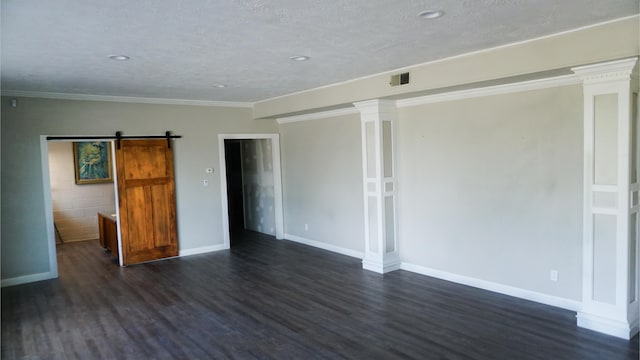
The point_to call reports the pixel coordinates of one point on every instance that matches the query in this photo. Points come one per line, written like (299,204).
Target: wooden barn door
(146,193)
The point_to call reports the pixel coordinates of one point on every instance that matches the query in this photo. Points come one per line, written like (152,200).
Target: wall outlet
(306,227)
(554,275)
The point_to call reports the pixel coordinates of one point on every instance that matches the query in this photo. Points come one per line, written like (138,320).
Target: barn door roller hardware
(118,136)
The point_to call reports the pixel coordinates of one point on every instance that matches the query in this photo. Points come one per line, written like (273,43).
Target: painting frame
(92,162)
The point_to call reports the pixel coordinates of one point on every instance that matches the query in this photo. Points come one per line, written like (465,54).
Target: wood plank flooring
(268,299)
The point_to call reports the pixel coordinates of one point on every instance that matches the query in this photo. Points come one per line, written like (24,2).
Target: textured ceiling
(181,49)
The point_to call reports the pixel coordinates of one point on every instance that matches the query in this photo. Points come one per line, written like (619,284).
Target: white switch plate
(554,275)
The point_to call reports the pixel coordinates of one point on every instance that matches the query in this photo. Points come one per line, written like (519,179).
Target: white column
(379,183)
(610,234)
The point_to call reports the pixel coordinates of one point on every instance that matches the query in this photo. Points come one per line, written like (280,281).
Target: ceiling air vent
(399,79)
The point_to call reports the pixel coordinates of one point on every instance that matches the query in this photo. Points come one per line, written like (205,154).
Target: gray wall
(24,241)
(488,188)
(491,188)
(322,181)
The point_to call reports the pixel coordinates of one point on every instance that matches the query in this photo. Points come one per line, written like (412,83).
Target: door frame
(277,182)
(48,201)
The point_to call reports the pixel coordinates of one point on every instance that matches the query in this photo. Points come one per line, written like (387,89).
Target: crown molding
(538,84)
(606,71)
(125,99)
(317,115)
(375,106)
(378,104)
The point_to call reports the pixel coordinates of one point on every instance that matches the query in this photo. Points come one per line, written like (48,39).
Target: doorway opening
(235,187)
(145,164)
(72,206)
(251,185)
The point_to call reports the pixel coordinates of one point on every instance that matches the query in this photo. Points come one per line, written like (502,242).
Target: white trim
(27,279)
(606,72)
(381,267)
(516,87)
(48,211)
(124,99)
(377,113)
(202,250)
(607,326)
(116,202)
(538,84)
(317,115)
(325,246)
(604,188)
(415,66)
(277,182)
(530,295)
(620,317)
(605,211)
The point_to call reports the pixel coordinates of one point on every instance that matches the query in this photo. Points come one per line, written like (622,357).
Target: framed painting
(92,162)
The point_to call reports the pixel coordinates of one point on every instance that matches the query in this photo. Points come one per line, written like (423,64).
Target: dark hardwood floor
(268,299)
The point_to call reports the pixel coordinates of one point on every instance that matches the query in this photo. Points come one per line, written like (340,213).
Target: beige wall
(322,181)
(491,188)
(24,239)
(75,207)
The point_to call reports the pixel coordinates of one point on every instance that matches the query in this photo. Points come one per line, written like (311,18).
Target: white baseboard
(201,250)
(325,246)
(27,279)
(381,267)
(564,303)
(607,326)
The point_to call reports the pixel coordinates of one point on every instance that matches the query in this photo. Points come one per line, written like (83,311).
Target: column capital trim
(376,105)
(606,72)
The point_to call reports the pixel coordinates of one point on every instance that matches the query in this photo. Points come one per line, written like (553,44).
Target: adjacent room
(302,179)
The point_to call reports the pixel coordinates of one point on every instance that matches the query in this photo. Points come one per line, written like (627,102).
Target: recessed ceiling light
(220,86)
(119,57)
(299,58)
(431,14)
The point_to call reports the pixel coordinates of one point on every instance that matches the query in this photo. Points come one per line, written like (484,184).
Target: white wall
(257,179)
(491,188)
(322,181)
(75,207)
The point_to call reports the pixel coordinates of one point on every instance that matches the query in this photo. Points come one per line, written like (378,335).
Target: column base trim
(381,267)
(621,329)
